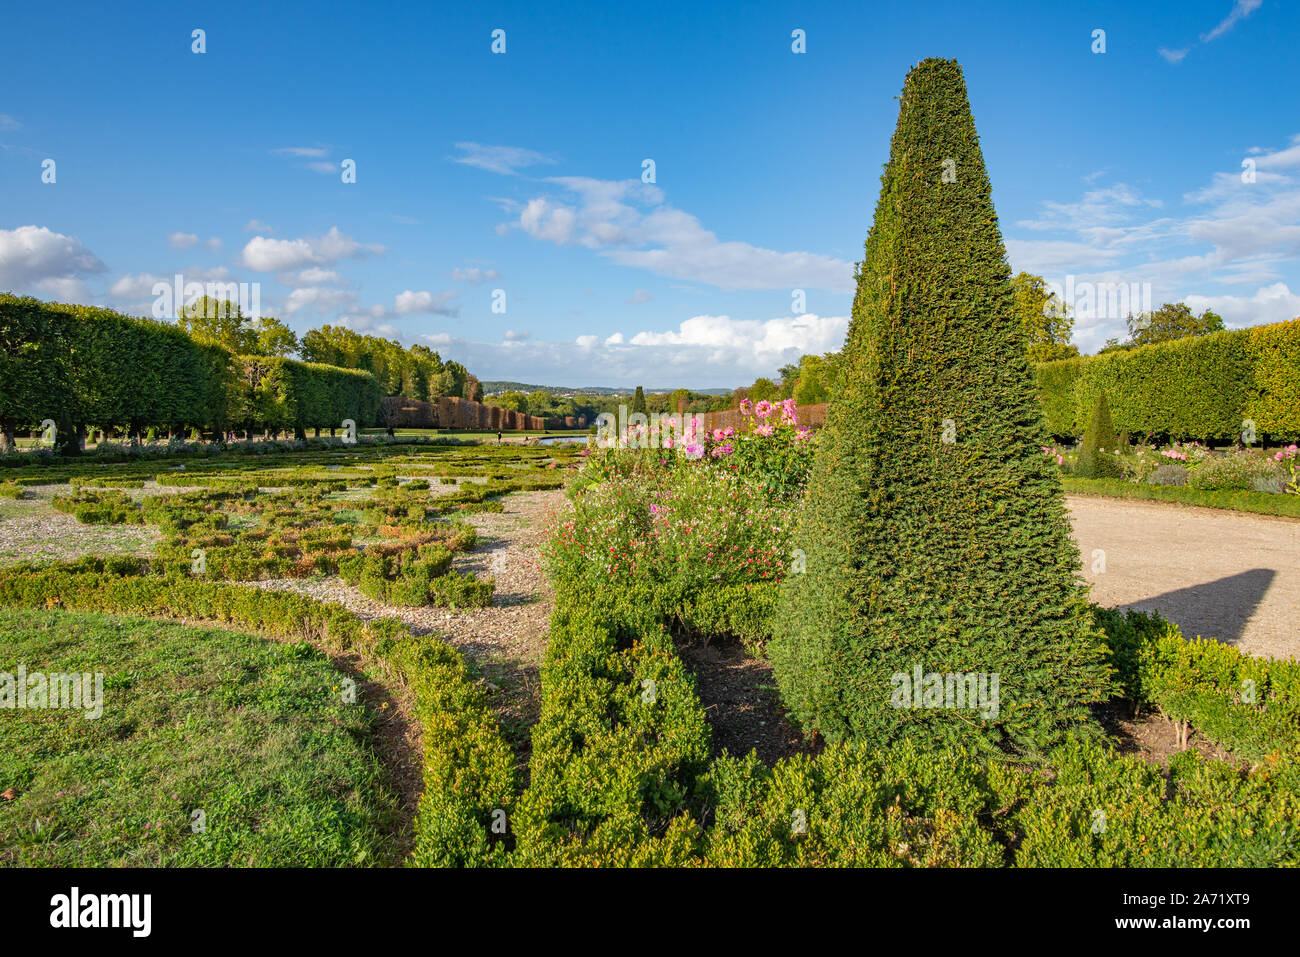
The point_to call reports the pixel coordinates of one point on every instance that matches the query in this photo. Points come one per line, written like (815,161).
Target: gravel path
(1218,574)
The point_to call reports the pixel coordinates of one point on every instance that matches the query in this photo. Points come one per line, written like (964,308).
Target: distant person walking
(498,438)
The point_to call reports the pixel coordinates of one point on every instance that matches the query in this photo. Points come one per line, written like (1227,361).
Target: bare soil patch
(741,701)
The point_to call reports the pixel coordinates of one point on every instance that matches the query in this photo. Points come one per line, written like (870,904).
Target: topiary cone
(934,531)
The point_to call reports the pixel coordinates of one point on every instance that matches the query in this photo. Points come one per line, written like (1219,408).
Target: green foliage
(1045,318)
(1171,321)
(1202,387)
(1249,705)
(81,366)
(417,372)
(281,394)
(934,527)
(1097,452)
(468,767)
(1260,503)
(254,733)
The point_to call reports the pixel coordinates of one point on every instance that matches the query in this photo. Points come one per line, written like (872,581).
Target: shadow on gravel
(1218,609)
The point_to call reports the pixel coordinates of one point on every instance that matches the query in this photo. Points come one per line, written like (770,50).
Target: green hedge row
(620,773)
(81,366)
(1201,387)
(1260,503)
(468,766)
(1249,705)
(277,393)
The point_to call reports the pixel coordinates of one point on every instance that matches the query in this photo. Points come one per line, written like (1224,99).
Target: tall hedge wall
(278,393)
(83,366)
(1202,387)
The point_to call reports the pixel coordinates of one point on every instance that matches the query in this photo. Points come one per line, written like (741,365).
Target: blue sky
(522,171)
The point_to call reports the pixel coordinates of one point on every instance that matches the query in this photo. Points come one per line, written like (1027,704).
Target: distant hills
(506,386)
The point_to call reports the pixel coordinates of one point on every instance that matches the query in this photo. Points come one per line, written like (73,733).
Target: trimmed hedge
(1260,503)
(1201,387)
(1249,705)
(80,366)
(277,393)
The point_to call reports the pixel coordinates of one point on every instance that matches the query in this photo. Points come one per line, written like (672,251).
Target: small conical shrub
(1097,450)
(638,400)
(934,535)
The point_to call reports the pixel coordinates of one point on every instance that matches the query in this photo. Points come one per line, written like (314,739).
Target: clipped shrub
(1097,452)
(934,528)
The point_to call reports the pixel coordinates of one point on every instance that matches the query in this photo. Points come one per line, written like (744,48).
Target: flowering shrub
(1287,457)
(1233,471)
(771,450)
(687,537)
(681,522)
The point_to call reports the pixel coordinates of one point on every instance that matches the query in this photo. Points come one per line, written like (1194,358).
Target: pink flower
(763,409)
(717,435)
(694,450)
(1060,460)
(746,406)
(804,434)
(765,429)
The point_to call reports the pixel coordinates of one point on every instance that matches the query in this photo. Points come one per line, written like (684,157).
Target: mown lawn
(254,734)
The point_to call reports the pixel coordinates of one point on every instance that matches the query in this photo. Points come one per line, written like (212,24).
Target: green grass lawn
(253,733)
(1260,503)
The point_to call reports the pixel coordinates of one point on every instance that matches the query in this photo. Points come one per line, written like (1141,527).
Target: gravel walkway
(1218,574)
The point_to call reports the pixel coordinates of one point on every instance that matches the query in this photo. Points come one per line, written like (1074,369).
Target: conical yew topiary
(934,532)
(1097,449)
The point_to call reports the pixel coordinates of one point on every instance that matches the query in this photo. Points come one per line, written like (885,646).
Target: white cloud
(506,160)
(629,223)
(37,258)
(133,292)
(640,297)
(320,299)
(474,275)
(7,122)
(520,335)
(323,167)
(424,303)
(309,151)
(257,226)
(1229,233)
(1275,303)
(190,240)
(702,352)
(313,276)
(1240,10)
(277,255)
